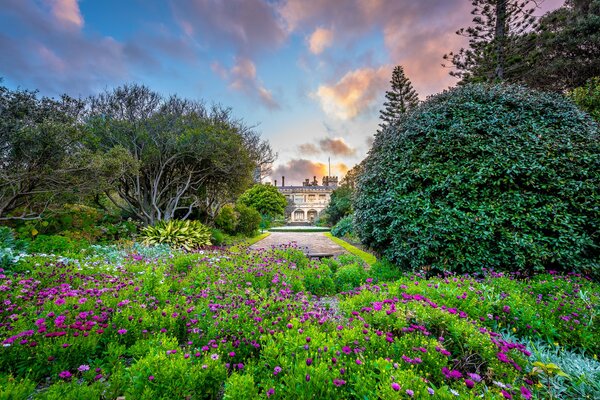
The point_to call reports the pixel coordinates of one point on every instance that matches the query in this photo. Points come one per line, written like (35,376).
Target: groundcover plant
(217,324)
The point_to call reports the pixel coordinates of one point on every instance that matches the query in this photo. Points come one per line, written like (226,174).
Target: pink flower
(66,375)
(151,378)
(395,386)
(122,331)
(525,393)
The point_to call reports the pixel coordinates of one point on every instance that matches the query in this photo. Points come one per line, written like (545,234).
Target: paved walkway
(310,242)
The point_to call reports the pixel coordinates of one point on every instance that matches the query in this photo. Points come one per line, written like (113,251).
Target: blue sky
(311,74)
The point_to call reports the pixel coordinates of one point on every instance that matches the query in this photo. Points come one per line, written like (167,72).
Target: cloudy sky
(310,73)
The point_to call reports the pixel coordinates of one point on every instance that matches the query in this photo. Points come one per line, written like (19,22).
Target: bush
(186,234)
(55,244)
(343,227)
(217,237)
(587,97)
(227,220)
(248,220)
(9,246)
(349,276)
(385,271)
(485,176)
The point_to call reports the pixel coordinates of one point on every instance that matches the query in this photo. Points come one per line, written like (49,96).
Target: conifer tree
(401,99)
(495,52)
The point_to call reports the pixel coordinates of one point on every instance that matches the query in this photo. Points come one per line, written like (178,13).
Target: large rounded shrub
(485,176)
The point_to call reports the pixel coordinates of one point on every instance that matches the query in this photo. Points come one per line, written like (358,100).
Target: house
(307,202)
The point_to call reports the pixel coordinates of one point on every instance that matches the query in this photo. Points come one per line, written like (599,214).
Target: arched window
(298,215)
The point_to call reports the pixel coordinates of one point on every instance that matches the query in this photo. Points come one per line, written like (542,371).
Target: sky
(311,75)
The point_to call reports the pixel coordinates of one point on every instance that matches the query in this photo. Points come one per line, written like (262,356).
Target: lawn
(156,323)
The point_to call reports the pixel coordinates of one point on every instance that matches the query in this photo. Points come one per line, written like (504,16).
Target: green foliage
(485,176)
(217,237)
(385,271)
(248,220)
(340,204)
(186,234)
(588,97)
(56,244)
(240,387)
(266,199)
(227,220)
(350,276)
(16,389)
(318,280)
(399,100)
(343,227)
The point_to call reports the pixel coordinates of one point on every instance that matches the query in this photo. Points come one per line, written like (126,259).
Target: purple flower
(475,377)
(83,368)
(122,331)
(270,392)
(506,309)
(430,391)
(214,356)
(276,370)
(151,378)
(309,361)
(339,382)
(307,378)
(410,392)
(506,395)
(469,383)
(525,393)
(66,375)
(395,386)
(358,362)
(232,354)
(308,339)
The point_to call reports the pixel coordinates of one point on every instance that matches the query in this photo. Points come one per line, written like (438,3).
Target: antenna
(329,162)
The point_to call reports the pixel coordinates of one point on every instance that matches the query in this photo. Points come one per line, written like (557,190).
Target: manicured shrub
(318,281)
(343,227)
(384,271)
(349,276)
(186,234)
(248,220)
(485,176)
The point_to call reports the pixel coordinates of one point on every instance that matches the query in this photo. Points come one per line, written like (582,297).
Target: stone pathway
(310,242)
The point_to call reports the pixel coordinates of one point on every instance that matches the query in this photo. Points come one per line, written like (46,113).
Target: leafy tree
(42,160)
(189,158)
(340,203)
(494,52)
(588,97)
(563,52)
(400,99)
(494,176)
(248,220)
(266,199)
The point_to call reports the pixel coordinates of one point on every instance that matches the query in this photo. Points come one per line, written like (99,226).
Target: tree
(42,159)
(496,176)
(266,199)
(588,97)
(401,99)
(495,52)
(189,157)
(563,52)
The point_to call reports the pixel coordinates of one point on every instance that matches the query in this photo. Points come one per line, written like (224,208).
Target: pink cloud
(67,12)
(320,39)
(354,93)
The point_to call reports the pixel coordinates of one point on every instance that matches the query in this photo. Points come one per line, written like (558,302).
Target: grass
(248,242)
(366,257)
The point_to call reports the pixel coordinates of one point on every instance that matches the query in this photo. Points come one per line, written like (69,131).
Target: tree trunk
(500,37)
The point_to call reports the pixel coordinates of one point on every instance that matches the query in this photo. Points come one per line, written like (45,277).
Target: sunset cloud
(337,147)
(296,170)
(308,149)
(354,93)
(242,77)
(67,12)
(320,39)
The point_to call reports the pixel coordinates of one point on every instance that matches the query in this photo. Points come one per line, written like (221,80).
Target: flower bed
(236,326)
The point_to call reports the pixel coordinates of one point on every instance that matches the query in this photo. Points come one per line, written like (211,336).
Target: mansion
(307,202)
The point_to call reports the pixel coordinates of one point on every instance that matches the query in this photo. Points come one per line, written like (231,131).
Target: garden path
(310,242)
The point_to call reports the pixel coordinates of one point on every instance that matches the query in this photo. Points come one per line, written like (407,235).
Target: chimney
(275,182)
(282,181)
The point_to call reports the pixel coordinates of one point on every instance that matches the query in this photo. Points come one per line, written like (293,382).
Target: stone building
(307,202)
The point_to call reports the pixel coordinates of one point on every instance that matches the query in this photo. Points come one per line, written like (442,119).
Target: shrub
(485,176)
(587,97)
(248,220)
(227,220)
(186,234)
(318,280)
(384,271)
(9,246)
(343,227)
(266,199)
(349,276)
(55,244)
(217,237)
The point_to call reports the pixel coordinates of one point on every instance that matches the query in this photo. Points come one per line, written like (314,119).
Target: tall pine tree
(495,50)
(401,99)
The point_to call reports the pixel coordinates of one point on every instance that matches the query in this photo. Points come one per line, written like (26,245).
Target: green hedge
(485,176)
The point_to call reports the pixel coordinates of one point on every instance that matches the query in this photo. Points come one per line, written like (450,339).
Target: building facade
(307,202)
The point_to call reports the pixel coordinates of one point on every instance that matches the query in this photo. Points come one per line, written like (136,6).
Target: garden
(157,323)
